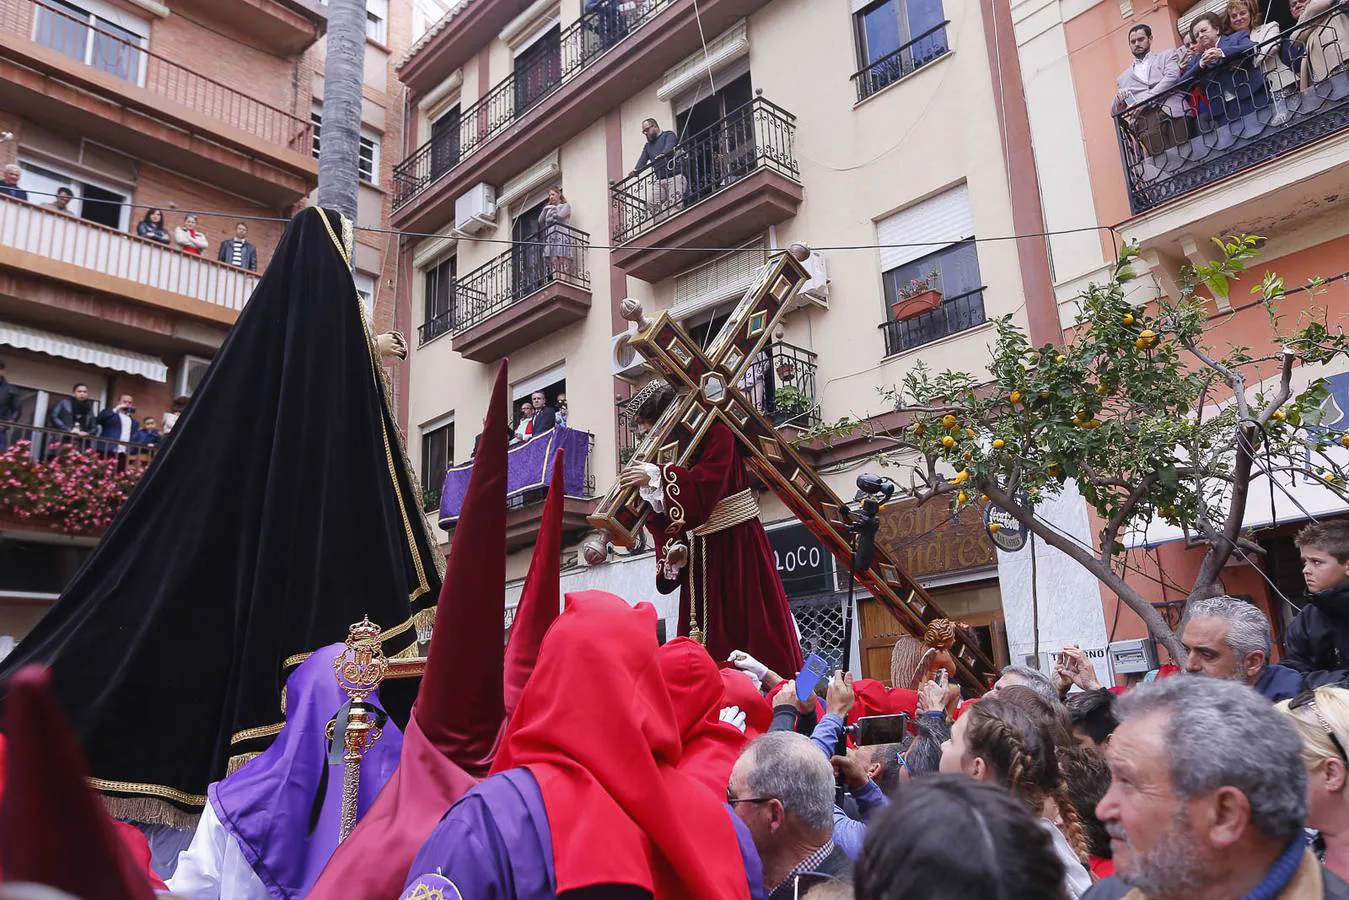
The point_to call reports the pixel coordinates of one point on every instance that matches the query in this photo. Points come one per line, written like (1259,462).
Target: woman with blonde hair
(558,245)
(1321,718)
(1246,15)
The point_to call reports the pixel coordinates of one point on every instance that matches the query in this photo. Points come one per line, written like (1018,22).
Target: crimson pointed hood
(53,830)
(451,736)
(541,597)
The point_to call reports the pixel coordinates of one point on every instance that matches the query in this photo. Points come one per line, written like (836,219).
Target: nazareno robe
(746,607)
(280,511)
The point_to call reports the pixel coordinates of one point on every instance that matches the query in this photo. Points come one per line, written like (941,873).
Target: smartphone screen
(890,729)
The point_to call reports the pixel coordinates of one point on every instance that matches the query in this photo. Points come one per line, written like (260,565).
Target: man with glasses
(659,153)
(1230,639)
(782,788)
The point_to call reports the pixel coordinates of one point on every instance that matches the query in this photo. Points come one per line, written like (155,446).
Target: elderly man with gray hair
(1230,639)
(10,185)
(1027,677)
(1207,799)
(782,788)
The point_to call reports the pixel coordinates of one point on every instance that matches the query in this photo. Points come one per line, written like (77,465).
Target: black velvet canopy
(280,511)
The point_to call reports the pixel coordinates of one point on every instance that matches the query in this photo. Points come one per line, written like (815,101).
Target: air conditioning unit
(190,372)
(625,361)
(816,290)
(477,210)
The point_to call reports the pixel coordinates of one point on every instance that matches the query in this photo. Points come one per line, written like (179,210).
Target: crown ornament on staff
(359,668)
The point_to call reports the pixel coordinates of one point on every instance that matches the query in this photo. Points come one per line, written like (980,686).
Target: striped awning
(88,352)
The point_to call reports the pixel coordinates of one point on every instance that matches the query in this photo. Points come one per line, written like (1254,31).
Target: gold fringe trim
(154,790)
(150,811)
(237,762)
(261,731)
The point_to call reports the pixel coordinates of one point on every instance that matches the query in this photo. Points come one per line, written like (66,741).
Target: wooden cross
(708,392)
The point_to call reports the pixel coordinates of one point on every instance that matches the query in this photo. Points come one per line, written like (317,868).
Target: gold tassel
(237,761)
(149,811)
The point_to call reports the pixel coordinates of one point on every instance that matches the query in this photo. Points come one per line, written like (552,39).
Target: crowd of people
(188,237)
(112,431)
(1228,66)
(538,414)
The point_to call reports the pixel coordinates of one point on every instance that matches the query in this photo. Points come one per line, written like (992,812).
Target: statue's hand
(391,343)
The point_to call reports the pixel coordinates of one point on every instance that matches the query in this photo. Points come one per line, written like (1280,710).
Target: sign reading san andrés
(928,541)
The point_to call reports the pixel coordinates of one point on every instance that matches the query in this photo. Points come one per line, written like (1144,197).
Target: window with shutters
(715,282)
(437,454)
(438,296)
(933,242)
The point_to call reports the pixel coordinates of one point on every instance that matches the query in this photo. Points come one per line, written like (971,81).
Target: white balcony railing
(67,239)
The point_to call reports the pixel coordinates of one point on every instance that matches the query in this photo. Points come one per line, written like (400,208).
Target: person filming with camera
(117,422)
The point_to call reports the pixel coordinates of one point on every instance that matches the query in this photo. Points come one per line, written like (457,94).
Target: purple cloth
(529,466)
(266,805)
(495,844)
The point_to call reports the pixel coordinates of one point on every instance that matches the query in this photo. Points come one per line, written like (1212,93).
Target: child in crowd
(1318,640)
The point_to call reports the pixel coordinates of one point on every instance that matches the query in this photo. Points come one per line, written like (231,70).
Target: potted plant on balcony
(789,403)
(917,297)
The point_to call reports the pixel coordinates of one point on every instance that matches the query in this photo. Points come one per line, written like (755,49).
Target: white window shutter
(931,224)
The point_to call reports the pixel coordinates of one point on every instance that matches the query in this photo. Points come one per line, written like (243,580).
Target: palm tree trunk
(343,75)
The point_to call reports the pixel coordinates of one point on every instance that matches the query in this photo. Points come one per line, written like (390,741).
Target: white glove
(749,664)
(733,716)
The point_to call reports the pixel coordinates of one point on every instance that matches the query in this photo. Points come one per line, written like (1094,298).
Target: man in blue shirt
(659,154)
(1230,639)
(11,183)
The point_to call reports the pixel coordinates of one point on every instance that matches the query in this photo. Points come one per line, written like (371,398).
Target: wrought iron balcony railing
(435,326)
(1249,108)
(558,256)
(576,48)
(956,313)
(758,135)
(920,51)
(110,50)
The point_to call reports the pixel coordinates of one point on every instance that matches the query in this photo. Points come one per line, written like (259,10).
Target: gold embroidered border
(672,491)
(153,790)
(249,734)
(237,762)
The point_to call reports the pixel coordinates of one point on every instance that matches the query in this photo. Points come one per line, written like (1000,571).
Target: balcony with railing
(1275,99)
(720,185)
(529,471)
(51,61)
(38,240)
(592,64)
(525,294)
(955,314)
(925,48)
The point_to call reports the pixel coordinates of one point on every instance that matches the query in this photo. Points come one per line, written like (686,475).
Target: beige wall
(859,163)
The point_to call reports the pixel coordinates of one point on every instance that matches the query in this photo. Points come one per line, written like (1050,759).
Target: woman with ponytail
(996,741)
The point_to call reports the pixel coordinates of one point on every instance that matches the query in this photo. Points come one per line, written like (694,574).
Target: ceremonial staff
(359,668)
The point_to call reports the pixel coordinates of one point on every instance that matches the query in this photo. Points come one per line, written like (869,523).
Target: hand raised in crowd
(766,677)
(787,697)
(851,770)
(932,694)
(1073,668)
(733,715)
(838,700)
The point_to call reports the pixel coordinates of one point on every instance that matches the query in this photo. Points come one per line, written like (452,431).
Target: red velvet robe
(746,605)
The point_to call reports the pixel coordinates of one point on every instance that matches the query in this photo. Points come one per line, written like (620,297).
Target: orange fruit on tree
(948,442)
(948,420)
(999,443)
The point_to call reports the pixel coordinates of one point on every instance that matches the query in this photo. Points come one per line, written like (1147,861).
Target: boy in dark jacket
(1317,643)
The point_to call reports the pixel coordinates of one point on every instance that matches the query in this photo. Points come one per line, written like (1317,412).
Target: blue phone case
(813,672)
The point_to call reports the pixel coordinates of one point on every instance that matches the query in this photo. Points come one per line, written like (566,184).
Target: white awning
(100,355)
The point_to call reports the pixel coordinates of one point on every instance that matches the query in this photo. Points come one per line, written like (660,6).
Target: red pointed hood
(739,690)
(875,699)
(541,598)
(711,746)
(449,741)
(53,830)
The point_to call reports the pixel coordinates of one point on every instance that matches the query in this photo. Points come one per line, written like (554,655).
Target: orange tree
(1151,422)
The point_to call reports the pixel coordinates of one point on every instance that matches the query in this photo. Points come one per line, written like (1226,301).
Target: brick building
(210,105)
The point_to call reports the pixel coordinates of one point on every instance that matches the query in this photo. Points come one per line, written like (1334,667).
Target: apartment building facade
(1268,161)
(888,136)
(208,107)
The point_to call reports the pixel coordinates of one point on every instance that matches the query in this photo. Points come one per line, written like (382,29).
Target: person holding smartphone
(117,422)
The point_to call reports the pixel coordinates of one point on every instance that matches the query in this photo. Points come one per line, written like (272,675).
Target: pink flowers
(74,490)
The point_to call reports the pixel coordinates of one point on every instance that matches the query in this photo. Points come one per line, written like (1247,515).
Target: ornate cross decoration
(708,392)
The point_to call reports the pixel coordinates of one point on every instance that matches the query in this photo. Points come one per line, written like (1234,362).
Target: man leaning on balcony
(659,154)
(1156,125)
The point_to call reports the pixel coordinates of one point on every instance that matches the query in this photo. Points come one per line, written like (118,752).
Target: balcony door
(529,268)
(96,34)
(538,69)
(445,143)
(717,134)
(93,203)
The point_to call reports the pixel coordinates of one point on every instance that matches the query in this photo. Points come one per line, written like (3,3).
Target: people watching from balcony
(605,20)
(171,417)
(557,244)
(237,251)
(1229,85)
(188,238)
(1151,75)
(117,422)
(1322,43)
(11,183)
(148,434)
(658,154)
(1246,15)
(545,416)
(9,407)
(75,413)
(61,203)
(1185,52)
(524,419)
(562,410)
(151,227)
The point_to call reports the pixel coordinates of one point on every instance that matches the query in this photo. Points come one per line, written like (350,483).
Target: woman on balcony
(557,244)
(1246,15)
(188,238)
(1223,70)
(152,226)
